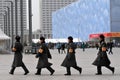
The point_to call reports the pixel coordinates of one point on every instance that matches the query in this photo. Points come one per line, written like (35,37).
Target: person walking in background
(110,47)
(63,48)
(58,47)
(17,62)
(97,46)
(70,60)
(43,55)
(102,58)
(83,46)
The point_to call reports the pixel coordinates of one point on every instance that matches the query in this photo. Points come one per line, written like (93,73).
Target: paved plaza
(84,60)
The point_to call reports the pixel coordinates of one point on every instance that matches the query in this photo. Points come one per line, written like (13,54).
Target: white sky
(36,16)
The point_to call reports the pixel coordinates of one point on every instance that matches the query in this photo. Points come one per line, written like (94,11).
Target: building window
(37,36)
(33,36)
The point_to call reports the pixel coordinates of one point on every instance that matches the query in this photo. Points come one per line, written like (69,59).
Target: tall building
(2,11)
(47,7)
(85,17)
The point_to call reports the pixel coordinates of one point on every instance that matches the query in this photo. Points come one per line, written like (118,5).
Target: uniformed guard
(102,58)
(18,48)
(43,55)
(70,60)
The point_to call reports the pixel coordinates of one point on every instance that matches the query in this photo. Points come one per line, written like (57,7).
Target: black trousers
(99,68)
(23,66)
(75,67)
(63,51)
(59,50)
(110,51)
(49,68)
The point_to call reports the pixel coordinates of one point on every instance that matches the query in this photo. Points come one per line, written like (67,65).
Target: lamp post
(16,17)
(21,14)
(30,22)
(12,21)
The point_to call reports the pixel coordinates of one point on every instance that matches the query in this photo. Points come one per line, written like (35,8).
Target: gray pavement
(84,60)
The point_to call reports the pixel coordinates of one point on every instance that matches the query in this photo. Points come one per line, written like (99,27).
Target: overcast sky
(35,17)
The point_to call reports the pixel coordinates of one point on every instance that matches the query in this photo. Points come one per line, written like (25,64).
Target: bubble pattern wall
(81,18)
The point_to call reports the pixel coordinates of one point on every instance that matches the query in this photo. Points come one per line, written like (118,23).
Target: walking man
(43,55)
(70,60)
(18,48)
(102,58)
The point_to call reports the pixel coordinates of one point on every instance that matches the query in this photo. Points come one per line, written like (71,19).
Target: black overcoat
(17,62)
(102,58)
(70,59)
(43,57)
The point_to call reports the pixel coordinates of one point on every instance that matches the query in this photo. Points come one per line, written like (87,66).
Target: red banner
(111,34)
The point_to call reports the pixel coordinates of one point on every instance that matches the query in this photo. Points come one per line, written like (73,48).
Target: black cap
(17,38)
(70,38)
(42,38)
(102,36)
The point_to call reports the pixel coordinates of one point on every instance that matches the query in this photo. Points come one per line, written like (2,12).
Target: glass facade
(49,6)
(81,18)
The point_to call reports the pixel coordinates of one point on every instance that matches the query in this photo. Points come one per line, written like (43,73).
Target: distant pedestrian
(102,58)
(58,45)
(17,62)
(70,60)
(43,56)
(63,48)
(97,46)
(110,47)
(83,46)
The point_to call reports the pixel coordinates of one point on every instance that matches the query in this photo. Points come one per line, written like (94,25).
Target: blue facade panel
(81,18)
(115,15)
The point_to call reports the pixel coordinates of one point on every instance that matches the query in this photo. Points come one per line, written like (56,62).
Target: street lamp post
(30,22)
(16,18)
(21,14)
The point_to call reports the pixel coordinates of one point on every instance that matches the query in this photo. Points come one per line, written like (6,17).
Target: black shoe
(11,73)
(67,74)
(98,74)
(80,70)
(113,70)
(52,72)
(37,74)
(26,73)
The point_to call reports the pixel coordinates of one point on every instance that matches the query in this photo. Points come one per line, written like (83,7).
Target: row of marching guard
(69,61)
